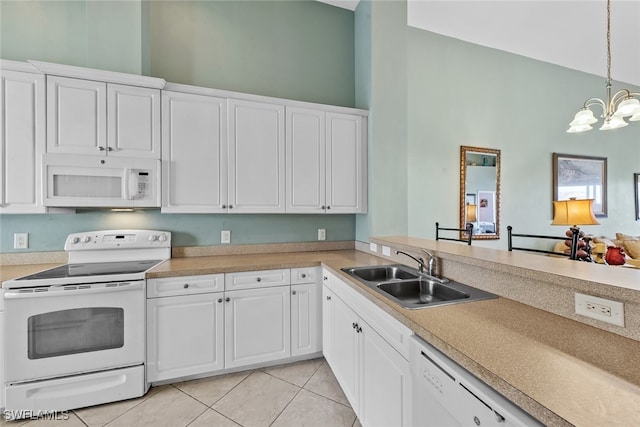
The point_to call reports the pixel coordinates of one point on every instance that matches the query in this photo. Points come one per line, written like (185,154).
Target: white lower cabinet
(257,326)
(374,376)
(198,325)
(185,333)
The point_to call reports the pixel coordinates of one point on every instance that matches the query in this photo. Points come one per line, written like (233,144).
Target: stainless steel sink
(382,273)
(412,289)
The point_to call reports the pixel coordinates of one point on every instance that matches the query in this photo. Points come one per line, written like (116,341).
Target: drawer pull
(186,286)
(258,280)
(303,275)
(219,300)
(293,292)
(227,299)
(328,298)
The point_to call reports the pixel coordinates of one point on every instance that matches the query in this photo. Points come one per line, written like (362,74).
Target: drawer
(185,285)
(257,279)
(304,275)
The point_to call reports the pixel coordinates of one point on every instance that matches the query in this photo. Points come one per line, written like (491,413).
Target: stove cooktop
(92,269)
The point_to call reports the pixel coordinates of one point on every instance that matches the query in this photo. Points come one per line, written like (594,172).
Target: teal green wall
(386,91)
(431,94)
(292,49)
(95,34)
(301,50)
(48,232)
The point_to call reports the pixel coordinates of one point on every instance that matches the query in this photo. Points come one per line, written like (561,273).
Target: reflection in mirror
(480,191)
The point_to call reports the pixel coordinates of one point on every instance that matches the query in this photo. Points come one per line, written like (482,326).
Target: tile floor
(293,395)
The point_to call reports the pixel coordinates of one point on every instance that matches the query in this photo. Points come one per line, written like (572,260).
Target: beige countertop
(561,371)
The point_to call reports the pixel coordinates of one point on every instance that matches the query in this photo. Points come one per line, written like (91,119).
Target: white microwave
(95,181)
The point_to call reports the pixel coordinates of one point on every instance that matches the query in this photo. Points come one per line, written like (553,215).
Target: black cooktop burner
(93,269)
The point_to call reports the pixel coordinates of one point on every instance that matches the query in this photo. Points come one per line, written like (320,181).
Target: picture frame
(470,199)
(581,177)
(636,185)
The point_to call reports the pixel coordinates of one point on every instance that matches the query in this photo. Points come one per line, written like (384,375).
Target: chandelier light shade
(573,212)
(623,104)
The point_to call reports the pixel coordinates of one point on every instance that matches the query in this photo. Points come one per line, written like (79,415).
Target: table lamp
(472,213)
(574,212)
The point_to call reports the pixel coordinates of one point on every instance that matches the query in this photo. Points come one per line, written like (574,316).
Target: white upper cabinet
(256,157)
(326,162)
(346,157)
(93,117)
(133,121)
(22,129)
(306,172)
(194,153)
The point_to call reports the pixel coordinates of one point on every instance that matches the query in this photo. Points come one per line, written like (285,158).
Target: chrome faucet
(420,261)
(431,264)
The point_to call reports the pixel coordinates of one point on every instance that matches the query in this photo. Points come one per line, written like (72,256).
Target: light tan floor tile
(324,383)
(70,420)
(256,401)
(296,373)
(210,390)
(168,408)
(212,418)
(100,415)
(310,410)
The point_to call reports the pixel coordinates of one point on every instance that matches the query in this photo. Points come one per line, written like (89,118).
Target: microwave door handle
(130,184)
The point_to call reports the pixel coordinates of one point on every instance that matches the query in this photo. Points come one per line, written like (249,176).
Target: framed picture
(582,177)
(636,185)
(471,199)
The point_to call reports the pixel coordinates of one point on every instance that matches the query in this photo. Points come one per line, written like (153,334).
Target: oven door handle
(73,290)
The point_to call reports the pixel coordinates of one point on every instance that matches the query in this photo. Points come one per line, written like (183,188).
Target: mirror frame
(463,176)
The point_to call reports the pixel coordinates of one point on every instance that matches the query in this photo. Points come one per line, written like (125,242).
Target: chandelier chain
(609,41)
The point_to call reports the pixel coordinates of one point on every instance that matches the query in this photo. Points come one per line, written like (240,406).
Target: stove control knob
(153,238)
(86,239)
(163,238)
(75,240)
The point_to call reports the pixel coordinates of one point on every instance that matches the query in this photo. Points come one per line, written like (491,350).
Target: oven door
(65,330)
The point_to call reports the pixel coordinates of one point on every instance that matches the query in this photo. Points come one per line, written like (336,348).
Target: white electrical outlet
(386,250)
(373,247)
(225,236)
(20,240)
(322,234)
(600,309)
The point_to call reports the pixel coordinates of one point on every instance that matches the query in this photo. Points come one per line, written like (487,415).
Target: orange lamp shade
(573,212)
(472,213)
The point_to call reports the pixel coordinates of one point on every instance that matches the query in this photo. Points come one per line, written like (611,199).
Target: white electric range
(74,335)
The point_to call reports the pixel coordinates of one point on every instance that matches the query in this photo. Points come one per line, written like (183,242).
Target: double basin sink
(412,289)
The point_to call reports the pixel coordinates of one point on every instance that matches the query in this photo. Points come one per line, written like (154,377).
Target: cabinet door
(76,116)
(305,142)
(344,348)
(133,121)
(306,323)
(22,129)
(185,335)
(385,387)
(256,157)
(346,163)
(257,326)
(194,153)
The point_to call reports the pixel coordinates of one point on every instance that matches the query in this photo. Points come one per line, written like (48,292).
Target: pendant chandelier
(622,104)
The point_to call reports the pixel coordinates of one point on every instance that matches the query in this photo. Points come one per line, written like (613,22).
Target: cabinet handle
(304,276)
(359,329)
(227,299)
(101,148)
(219,300)
(355,325)
(293,292)
(230,206)
(109,148)
(325,278)
(328,298)
(328,207)
(186,286)
(258,280)
(322,207)
(224,206)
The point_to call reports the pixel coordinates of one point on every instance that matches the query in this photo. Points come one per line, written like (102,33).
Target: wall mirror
(480,192)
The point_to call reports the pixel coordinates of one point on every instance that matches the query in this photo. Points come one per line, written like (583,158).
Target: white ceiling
(570,33)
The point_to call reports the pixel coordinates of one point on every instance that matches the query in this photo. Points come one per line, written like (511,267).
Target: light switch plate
(322,234)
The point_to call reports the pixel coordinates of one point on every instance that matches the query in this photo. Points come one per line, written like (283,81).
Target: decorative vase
(615,256)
